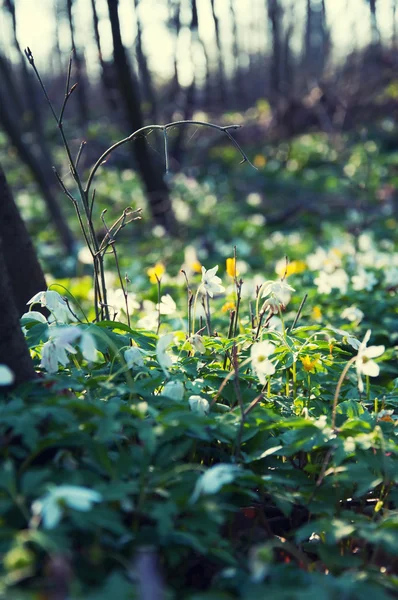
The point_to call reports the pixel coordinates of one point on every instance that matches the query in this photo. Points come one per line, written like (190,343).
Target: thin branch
(224,129)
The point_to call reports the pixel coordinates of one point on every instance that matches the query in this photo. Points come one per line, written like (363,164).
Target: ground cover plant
(223,425)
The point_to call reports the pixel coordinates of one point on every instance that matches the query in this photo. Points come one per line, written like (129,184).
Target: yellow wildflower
(228,306)
(317,313)
(293,267)
(196,266)
(231,268)
(309,363)
(259,161)
(154,273)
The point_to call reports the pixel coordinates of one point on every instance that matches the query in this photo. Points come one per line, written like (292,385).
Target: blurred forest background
(280,67)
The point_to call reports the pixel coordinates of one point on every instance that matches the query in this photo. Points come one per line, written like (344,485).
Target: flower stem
(338,388)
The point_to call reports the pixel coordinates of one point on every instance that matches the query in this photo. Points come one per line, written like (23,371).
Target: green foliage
(242,483)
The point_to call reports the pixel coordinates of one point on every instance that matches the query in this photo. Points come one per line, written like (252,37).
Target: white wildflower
(214,479)
(279,291)
(174,389)
(196,342)
(364,363)
(199,405)
(117,301)
(326,282)
(210,282)
(352,313)
(6,375)
(55,303)
(50,507)
(133,357)
(55,350)
(391,277)
(363,280)
(261,364)
(167,305)
(164,359)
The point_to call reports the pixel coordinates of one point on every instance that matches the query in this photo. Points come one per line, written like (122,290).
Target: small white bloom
(391,277)
(214,479)
(197,342)
(272,305)
(6,375)
(54,352)
(50,506)
(261,364)
(279,291)
(326,282)
(88,347)
(364,363)
(167,305)
(133,357)
(54,302)
(174,389)
(199,405)
(164,359)
(210,281)
(116,299)
(363,280)
(149,322)
(352,313)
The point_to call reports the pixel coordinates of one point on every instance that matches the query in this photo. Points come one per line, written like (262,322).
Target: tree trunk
(13,350)
(189,100)
(373,23)
(106,78)
(275,17)
(25,273)
(219,57)
(40,172)
(156,188)
(145,74)
(78,61)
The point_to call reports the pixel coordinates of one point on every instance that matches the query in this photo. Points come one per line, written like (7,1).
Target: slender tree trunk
(156,188)
(35,123)
(189,100)
(106,79)
(219,57)
(41,173)
(174,87)
(274,15)
(13,350)
(78,61)
(145,74)
(25,273)
(238,79)
(373,23)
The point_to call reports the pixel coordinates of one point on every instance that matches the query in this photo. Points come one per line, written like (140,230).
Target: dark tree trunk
(35,122)
(373,23)
(13,350)
(78,62)
(25,273)
(145,74)
(175,22)
(316,41)
(275,17)
(238,79)
(189,100)
(106,78)
(41,173)
(156,188)
(219,57)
